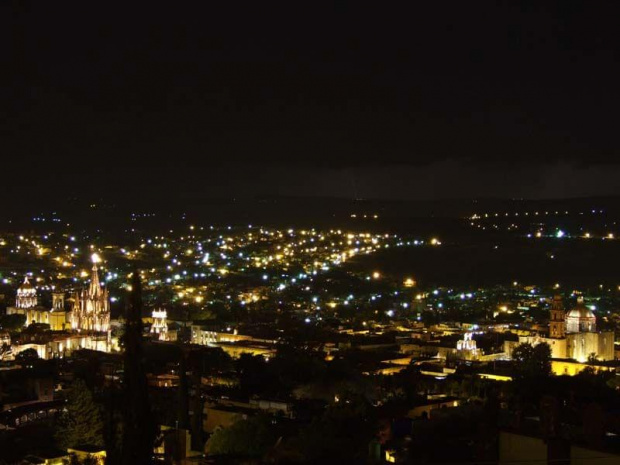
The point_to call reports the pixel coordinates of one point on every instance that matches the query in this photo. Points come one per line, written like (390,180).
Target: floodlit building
(26,296)
(580,319)
(574,335)
(26,303)
(582,346)
(583,341)
(466,348)
(160,326)
(91,309)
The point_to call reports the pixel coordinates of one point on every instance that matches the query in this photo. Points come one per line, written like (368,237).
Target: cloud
(442,180)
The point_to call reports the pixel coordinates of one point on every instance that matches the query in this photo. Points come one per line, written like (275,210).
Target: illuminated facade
(26,304)
(583,340)
(466,348)
(91,309)
(160,326)
(582,346)
(26,296)
(58,301)
(574,335)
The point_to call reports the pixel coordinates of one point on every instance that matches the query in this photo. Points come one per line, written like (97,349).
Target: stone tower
(58,301)
(557,319)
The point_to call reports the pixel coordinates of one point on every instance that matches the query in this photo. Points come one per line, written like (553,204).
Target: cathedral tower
(58,301)
(91,310)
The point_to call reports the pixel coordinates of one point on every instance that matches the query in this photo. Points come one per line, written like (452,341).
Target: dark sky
(448,99)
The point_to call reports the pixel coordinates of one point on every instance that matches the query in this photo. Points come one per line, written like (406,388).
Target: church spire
(95,286)
(94,280)
(91,309)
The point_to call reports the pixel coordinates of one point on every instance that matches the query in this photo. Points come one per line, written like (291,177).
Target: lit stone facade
(160,326)
(581,346)
(26,296)
(91,309)
(557,319)
(580,341)
(583,340)
(466,348)
(558,346)
(26,304)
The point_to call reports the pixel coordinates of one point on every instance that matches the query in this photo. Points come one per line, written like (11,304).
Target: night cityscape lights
(239,234)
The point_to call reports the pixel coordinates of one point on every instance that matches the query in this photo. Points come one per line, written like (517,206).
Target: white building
(466,348)
(26,303)
(160,325)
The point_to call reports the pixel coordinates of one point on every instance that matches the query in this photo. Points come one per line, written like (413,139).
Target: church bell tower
(58,301)
(557,319)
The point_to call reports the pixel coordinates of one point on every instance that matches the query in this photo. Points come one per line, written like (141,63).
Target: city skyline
(257,233)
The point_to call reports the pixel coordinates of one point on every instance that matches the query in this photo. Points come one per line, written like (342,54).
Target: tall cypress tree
(139,428)
(183,395)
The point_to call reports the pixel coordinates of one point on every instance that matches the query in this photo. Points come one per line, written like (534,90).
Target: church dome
(581,312)
(580,319)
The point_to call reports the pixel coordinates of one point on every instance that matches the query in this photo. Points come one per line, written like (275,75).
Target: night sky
(445,100)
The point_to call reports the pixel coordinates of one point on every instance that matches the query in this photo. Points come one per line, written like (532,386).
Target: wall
(581,456)
(517,449)
(570,368)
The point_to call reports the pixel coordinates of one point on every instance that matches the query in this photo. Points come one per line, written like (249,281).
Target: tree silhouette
(28,355)
(532,361)
(183,395)
(252,437)
(12,322)
(138,426)
(81,424)
(340,435)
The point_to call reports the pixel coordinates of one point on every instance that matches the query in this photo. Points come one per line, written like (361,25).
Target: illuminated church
(91,307)
(580,319)
(466,348)
(574,335)
(583,340)
(159,328)
(26,303)
(26,295)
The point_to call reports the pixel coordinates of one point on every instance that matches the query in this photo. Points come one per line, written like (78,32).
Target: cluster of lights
(189,262)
